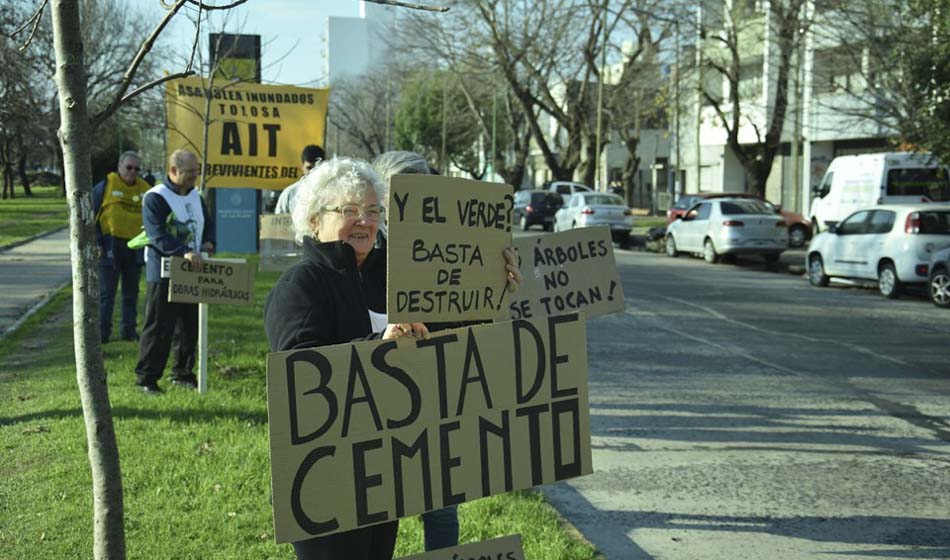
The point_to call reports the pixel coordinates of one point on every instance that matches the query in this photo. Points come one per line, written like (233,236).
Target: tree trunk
(24,180)
(108,530)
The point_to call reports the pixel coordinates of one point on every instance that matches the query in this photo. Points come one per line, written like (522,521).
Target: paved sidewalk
(31,273)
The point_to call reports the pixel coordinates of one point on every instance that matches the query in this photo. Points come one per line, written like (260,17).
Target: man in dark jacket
(177,224)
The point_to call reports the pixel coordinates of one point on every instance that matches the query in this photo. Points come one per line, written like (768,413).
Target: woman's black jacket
(323,299)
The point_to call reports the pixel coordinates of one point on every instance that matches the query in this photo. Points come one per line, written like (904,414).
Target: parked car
(799,229)
(728,226)
(856,182)
(565,188)
(938,282)
(536,208)
(585,209)
(892,244)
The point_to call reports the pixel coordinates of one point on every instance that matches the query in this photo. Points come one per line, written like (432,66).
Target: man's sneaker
(152,389)
(187,382)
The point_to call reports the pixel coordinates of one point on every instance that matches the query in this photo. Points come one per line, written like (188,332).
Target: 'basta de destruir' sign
(370,432)
(446,237)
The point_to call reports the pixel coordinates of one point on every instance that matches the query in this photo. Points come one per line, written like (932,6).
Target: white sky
(291,33)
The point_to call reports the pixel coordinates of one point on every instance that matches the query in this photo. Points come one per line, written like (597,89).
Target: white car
(938,282)
(585,209)
(728,226)
(567,188)
(891,243)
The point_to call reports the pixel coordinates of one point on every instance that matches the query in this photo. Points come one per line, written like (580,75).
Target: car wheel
(709,252)
(797,235)
(771,258)
(524,223)
(671,247)
(939,287)
(816,272)
(887,282)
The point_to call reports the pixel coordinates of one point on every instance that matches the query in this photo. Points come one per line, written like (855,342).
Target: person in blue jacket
(177,223)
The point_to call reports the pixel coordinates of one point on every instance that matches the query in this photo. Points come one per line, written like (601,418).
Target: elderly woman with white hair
(336,294)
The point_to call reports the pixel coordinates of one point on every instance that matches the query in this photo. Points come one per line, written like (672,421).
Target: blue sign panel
(235,220)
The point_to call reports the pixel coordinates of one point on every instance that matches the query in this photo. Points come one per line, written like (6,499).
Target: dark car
(799,229)
(536,208)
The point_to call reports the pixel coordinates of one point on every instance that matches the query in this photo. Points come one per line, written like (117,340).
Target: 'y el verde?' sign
(446,237)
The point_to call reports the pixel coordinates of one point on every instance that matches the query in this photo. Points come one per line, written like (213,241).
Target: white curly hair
(339,178)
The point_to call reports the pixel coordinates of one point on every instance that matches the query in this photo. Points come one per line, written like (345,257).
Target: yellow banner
(255,131)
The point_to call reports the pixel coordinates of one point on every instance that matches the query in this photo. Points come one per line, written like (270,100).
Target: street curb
(572,531)
(15,244)
(33,310)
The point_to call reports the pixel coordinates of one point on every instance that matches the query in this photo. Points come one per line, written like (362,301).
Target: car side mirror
(778,208)
(833,229)
(679,217)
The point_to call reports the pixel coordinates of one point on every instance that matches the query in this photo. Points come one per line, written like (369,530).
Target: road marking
(854,347)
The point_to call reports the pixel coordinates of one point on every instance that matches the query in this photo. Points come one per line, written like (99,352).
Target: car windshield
(604,199)
(919,181)
(937,223)
(745,207)
(685,202)
(545,198)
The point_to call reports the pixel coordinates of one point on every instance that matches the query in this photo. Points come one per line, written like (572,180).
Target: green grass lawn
(195,468)
(22,217)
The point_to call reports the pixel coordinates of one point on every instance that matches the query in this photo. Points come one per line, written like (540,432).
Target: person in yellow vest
(118,207)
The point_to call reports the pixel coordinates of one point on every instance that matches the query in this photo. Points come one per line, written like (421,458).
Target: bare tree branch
(120,96)
(410,6)
(35,19)
(210,7)
(153,83)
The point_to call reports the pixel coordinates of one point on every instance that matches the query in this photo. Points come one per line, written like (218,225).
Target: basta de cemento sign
(370,432)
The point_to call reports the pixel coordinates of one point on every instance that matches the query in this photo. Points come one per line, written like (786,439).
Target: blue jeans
(441,528)
(118,264)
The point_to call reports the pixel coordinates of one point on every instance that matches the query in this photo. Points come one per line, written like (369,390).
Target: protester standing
(117,201)
(336,294)
(177,224)
(309,158)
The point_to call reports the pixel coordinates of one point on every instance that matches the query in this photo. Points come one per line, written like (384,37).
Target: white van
(855,182)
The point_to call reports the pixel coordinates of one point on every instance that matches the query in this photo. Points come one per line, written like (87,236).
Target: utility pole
(442,163)
(700,40)
(494,109)
(600,106)
(676,184)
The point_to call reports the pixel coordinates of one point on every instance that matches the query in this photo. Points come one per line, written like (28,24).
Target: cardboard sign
(446,237)
(567,272)
(220,281)
(502,548)
(369,432)
(278,250)
(255,131)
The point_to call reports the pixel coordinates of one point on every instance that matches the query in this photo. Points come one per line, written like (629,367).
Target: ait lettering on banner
(446,237)
(370,432)
(255,131)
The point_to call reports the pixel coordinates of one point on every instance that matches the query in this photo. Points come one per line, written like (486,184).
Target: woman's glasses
(352,212)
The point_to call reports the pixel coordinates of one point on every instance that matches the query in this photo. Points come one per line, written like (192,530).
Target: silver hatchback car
(728,226)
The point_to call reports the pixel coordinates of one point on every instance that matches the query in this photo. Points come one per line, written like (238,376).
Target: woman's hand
(403,330)
(514,273)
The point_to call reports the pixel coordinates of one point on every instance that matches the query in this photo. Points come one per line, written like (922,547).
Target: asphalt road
(739,413)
